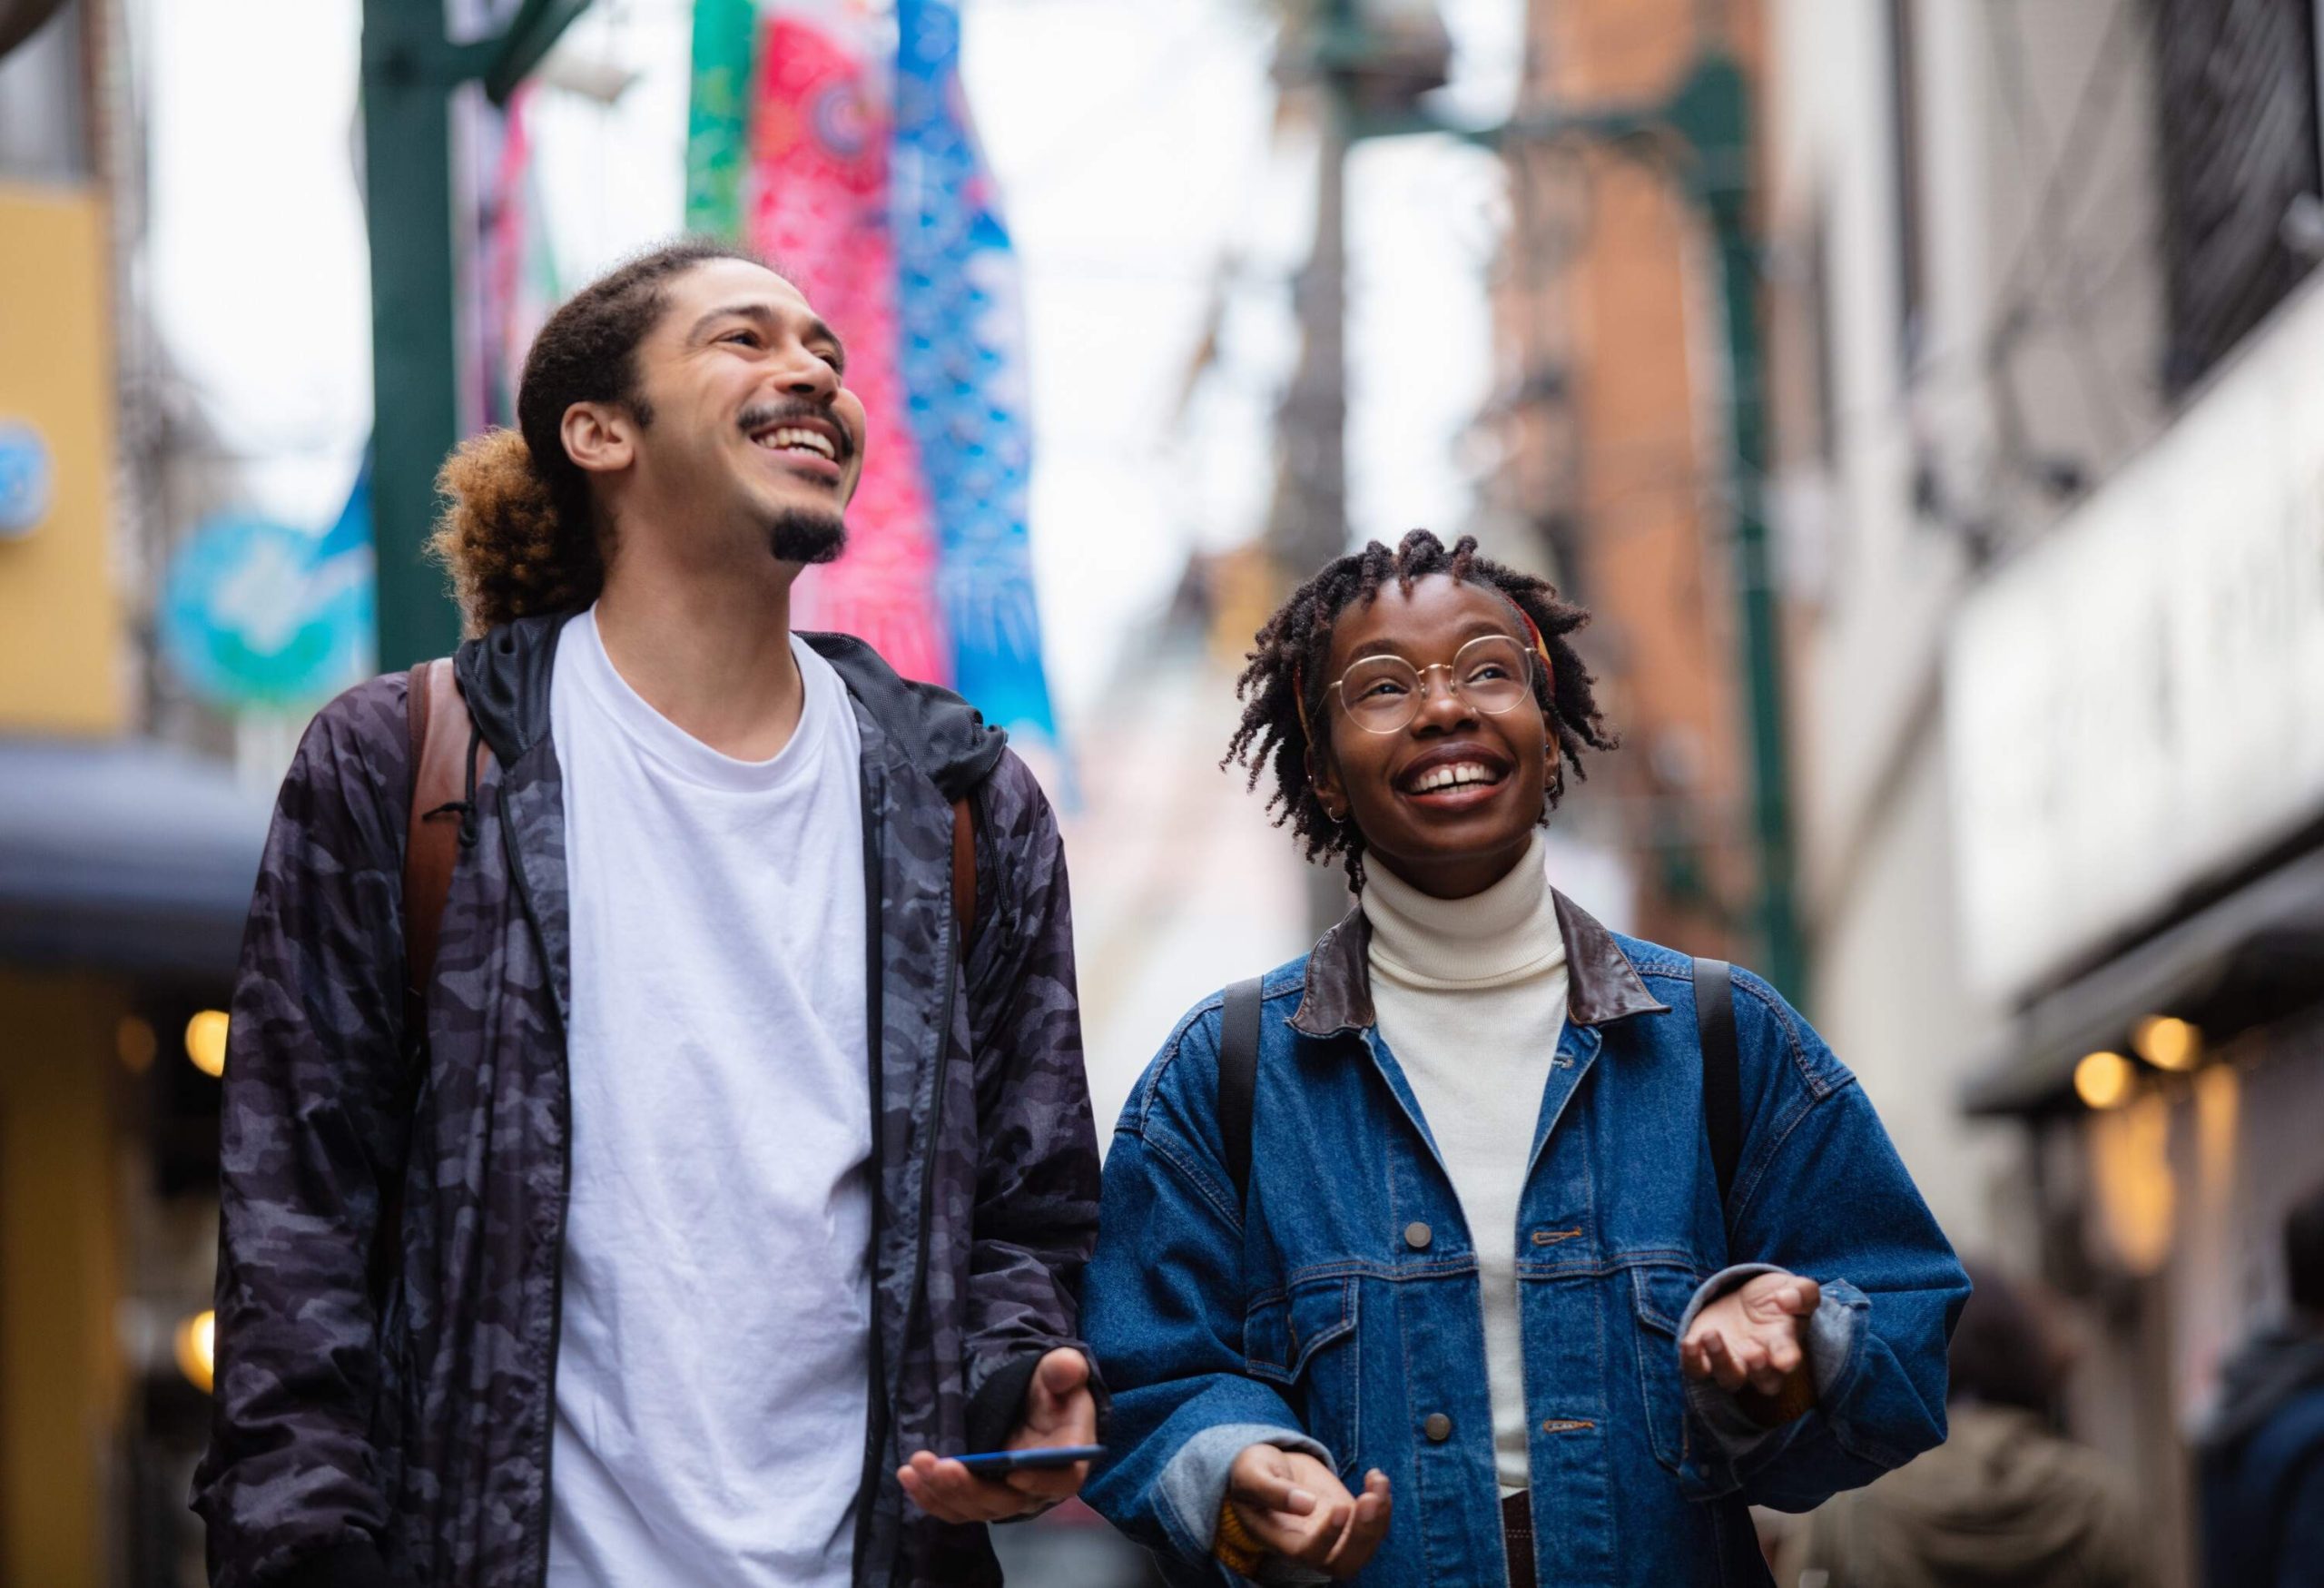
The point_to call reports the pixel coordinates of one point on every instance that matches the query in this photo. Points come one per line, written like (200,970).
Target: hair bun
(499,532)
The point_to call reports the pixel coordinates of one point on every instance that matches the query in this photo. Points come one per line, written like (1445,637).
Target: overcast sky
(1135,149)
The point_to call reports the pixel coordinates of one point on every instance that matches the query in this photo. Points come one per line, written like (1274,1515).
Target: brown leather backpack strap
(441,734)
(964,869)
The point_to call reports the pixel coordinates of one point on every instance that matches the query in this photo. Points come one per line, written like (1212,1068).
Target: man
(717,1173)
(2262,1457)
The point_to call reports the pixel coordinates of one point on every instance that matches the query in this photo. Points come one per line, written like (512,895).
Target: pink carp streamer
(819,209)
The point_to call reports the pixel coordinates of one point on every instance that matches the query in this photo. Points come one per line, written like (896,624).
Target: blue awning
(124,855)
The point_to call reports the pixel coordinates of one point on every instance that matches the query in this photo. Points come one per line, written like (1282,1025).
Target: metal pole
(1315,430)
(415,370)
(1712,110)
(409,70)
(1310,521)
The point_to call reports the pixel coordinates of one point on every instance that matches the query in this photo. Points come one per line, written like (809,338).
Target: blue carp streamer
(964,367)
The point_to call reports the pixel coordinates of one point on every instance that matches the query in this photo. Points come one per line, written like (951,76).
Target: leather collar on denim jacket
(1601,984)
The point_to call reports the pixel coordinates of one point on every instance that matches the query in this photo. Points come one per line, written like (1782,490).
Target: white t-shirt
(1470,996)
(713,1371)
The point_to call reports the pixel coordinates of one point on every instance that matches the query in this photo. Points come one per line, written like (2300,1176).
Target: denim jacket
(1316,1317)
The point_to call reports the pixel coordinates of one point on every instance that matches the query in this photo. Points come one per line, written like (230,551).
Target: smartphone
(994,1464)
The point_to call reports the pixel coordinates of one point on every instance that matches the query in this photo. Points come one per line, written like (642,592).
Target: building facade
(1609,425)
(2042,314)
(125,866)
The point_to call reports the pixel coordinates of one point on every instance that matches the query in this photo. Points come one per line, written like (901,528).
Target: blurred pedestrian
(2006,1500)
(718,1163)
(1449,1294)
(2262,1456)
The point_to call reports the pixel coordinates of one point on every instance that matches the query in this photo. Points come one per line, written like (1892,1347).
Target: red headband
(1541,649)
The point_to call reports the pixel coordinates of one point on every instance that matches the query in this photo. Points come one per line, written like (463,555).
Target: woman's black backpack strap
(1238,1079)
(1722,1069)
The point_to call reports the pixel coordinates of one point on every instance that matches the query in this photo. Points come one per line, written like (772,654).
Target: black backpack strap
(1238,1079)
(1722,1069)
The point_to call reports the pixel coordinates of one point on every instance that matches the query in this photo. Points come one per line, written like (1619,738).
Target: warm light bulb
(205,1041)
(2103,1080)
(2168,1043)
(196,1345)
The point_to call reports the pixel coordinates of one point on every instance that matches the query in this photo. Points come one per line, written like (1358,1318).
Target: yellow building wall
(60,1375)
(60,620)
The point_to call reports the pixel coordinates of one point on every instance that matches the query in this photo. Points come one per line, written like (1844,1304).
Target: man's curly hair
(1285,671)
(518,531)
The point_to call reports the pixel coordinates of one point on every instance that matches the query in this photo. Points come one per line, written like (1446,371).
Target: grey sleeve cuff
(1831,1335)
(1193,1486)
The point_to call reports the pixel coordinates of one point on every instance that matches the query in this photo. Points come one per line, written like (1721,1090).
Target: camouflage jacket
(393,1210)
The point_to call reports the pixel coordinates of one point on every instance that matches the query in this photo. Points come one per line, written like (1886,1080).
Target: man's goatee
(802,536)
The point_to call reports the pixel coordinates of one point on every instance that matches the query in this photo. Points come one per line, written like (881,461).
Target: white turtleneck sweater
(1471,997)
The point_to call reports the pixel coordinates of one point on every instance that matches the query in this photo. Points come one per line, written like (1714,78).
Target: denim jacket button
(1417,1235)
(1438,1428)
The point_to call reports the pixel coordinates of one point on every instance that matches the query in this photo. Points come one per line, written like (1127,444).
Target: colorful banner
(514,269)
(818,207)
(718,114)
(964,366)
(858,174)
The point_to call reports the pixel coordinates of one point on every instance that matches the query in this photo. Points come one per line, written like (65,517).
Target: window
(43,96)
(2237,81)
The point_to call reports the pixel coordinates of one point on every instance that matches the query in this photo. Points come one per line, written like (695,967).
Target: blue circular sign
(256,613)
(27,480)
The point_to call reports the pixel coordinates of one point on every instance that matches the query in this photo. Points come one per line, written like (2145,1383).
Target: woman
(1482,1314)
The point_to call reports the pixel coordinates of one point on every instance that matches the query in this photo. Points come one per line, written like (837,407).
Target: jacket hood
(2276,1365)
(941,733)
(2002,1500)
(505,677)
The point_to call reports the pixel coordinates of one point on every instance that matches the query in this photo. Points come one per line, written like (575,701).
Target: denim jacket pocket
(1660,1295)
(1304,1341)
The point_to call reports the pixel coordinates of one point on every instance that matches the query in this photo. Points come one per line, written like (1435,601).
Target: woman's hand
(1294,1506)
(1753,1338)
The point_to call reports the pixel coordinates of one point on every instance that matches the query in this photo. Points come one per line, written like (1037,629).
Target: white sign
(2137,703)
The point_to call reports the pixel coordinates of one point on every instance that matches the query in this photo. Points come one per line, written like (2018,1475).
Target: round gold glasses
(1382,695)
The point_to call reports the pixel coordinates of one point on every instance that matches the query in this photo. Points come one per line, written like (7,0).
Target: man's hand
(1294,1506)
(1059,1410)
(1752,1339)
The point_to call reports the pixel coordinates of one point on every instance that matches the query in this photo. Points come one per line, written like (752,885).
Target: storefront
(125,872)
(2136,708)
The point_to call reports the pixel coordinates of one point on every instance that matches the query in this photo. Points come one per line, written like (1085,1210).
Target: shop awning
(129,856)
(2250,957)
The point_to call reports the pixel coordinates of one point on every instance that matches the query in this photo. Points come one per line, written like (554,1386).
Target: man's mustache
(767,415)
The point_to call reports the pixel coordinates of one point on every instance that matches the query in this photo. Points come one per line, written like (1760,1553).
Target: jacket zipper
(564,1188)
(916,1307)
(875,1421)
(954,949)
